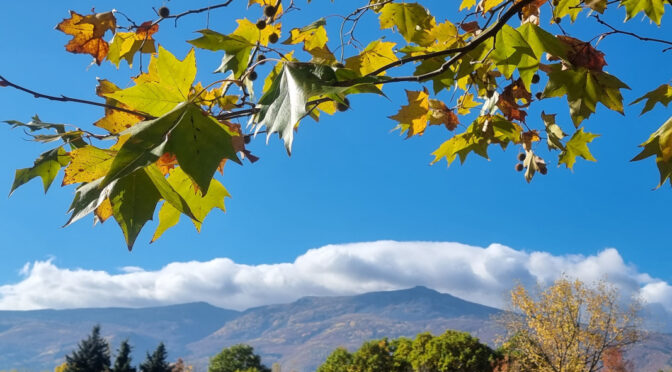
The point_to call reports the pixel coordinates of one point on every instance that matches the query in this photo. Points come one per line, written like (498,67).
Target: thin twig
(194,11)
(617,31)
(6,83)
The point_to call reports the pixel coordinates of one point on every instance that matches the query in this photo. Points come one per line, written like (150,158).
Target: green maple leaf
(584,89)
(577,146)
(653,9)
(412,20)
(662,95)
(540,41)
(572,8)
(198,141)
(236,50)
(166,85)
(659,145)
(510,49)
(199,204)
(133,200)
(46,166)
(88,197)
(284,104)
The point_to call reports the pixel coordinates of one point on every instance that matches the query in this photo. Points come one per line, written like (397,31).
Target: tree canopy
(469,70)
(237,358)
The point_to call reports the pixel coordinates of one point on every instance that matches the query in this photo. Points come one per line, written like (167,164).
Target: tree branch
(617,31)
(194,11)
(461,51)
(6,83)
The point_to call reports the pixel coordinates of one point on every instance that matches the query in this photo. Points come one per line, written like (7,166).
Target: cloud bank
(482,275)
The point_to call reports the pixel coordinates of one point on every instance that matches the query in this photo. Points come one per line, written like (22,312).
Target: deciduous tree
(471,70)
(569,326)
(237,358)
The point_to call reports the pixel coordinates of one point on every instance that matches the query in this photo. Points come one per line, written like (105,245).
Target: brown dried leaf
(582,54)
(87,32)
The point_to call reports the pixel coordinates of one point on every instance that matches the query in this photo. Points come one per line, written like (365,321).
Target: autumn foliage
(472,72)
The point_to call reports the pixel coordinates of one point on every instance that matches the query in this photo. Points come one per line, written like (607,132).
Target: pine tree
(92,354)
(157,361)
(123,361)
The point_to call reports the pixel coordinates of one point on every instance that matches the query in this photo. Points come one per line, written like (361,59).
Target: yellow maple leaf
(124,45)
(114,121)
(412,118)
(88,164)
(251,33)
(374,56)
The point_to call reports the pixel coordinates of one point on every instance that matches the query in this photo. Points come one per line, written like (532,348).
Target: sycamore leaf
(314,39)
(413,118)
(236,48)
(531,13)
(249,31)
(570,8)
(541,42)
(439,114)
(533,164)
(554,133)
(283,105)
(36,125)
(659,145)
(114,121)
(103,212)
(376,55)
(133,199)
(577,146)
(88,164)
(510,48)
(88,198)
(412,20)
(197,140)
(653,9)
(87,33)
(662,95)
(582,54)
(200,204)
(466,103)
(508,101)
(584,89)
(467,4)
(124,45)
(267,3)
(46,166)
(165,86)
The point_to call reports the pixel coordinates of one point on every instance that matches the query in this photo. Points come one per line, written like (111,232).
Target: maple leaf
(46,166)
(577,146)
(167,84)
(532,164)
(104,211)
(168,161)
(510,48)
(124,45)
(376,55)
(236,48)
(507,101)
(528,138)
(412,20)
(531,13)
(249,31)
(653,9)
(439,114)
(662,95)
(466,103)
(314,39)
(584,89)
(412,118)
(570,8)
(114,121)
(659,145)
(541,42)
(265,3)
(582,54)
(88,32)
(197,140)
(199,204)
(88,164)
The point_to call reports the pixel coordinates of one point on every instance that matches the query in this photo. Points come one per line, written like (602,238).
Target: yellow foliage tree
(568,327)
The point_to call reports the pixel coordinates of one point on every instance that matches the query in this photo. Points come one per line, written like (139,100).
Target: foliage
(92,354)
(162,139)
(237,358)
(123,361)
(452,351)
(569,326)
(156,362)
(61,368)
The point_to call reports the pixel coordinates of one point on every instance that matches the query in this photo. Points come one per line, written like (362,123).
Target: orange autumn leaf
(530,12)
(87,32)
(439,114)
(582,54)
(528,138)
(166,162)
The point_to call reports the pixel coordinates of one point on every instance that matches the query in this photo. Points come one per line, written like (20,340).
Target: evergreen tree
(123,361)
(92,354)
(157,361)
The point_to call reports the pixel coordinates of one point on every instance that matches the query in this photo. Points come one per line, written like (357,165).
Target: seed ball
(164,11)
(261,24)
(252,76)
(261,59)
(521,157)
(557,20)
(519,167)
(340,106)
(273,38)
(270,11)
(538,95)
(535,78)
(543,170)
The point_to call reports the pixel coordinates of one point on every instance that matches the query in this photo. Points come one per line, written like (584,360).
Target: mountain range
(297,335)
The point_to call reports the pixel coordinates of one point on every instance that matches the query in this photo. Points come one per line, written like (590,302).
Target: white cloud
(482,275)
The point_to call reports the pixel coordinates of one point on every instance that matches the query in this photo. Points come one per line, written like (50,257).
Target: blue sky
(349,179)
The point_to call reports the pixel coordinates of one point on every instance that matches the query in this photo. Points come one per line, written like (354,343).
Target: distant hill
(298,335)
(40,339)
